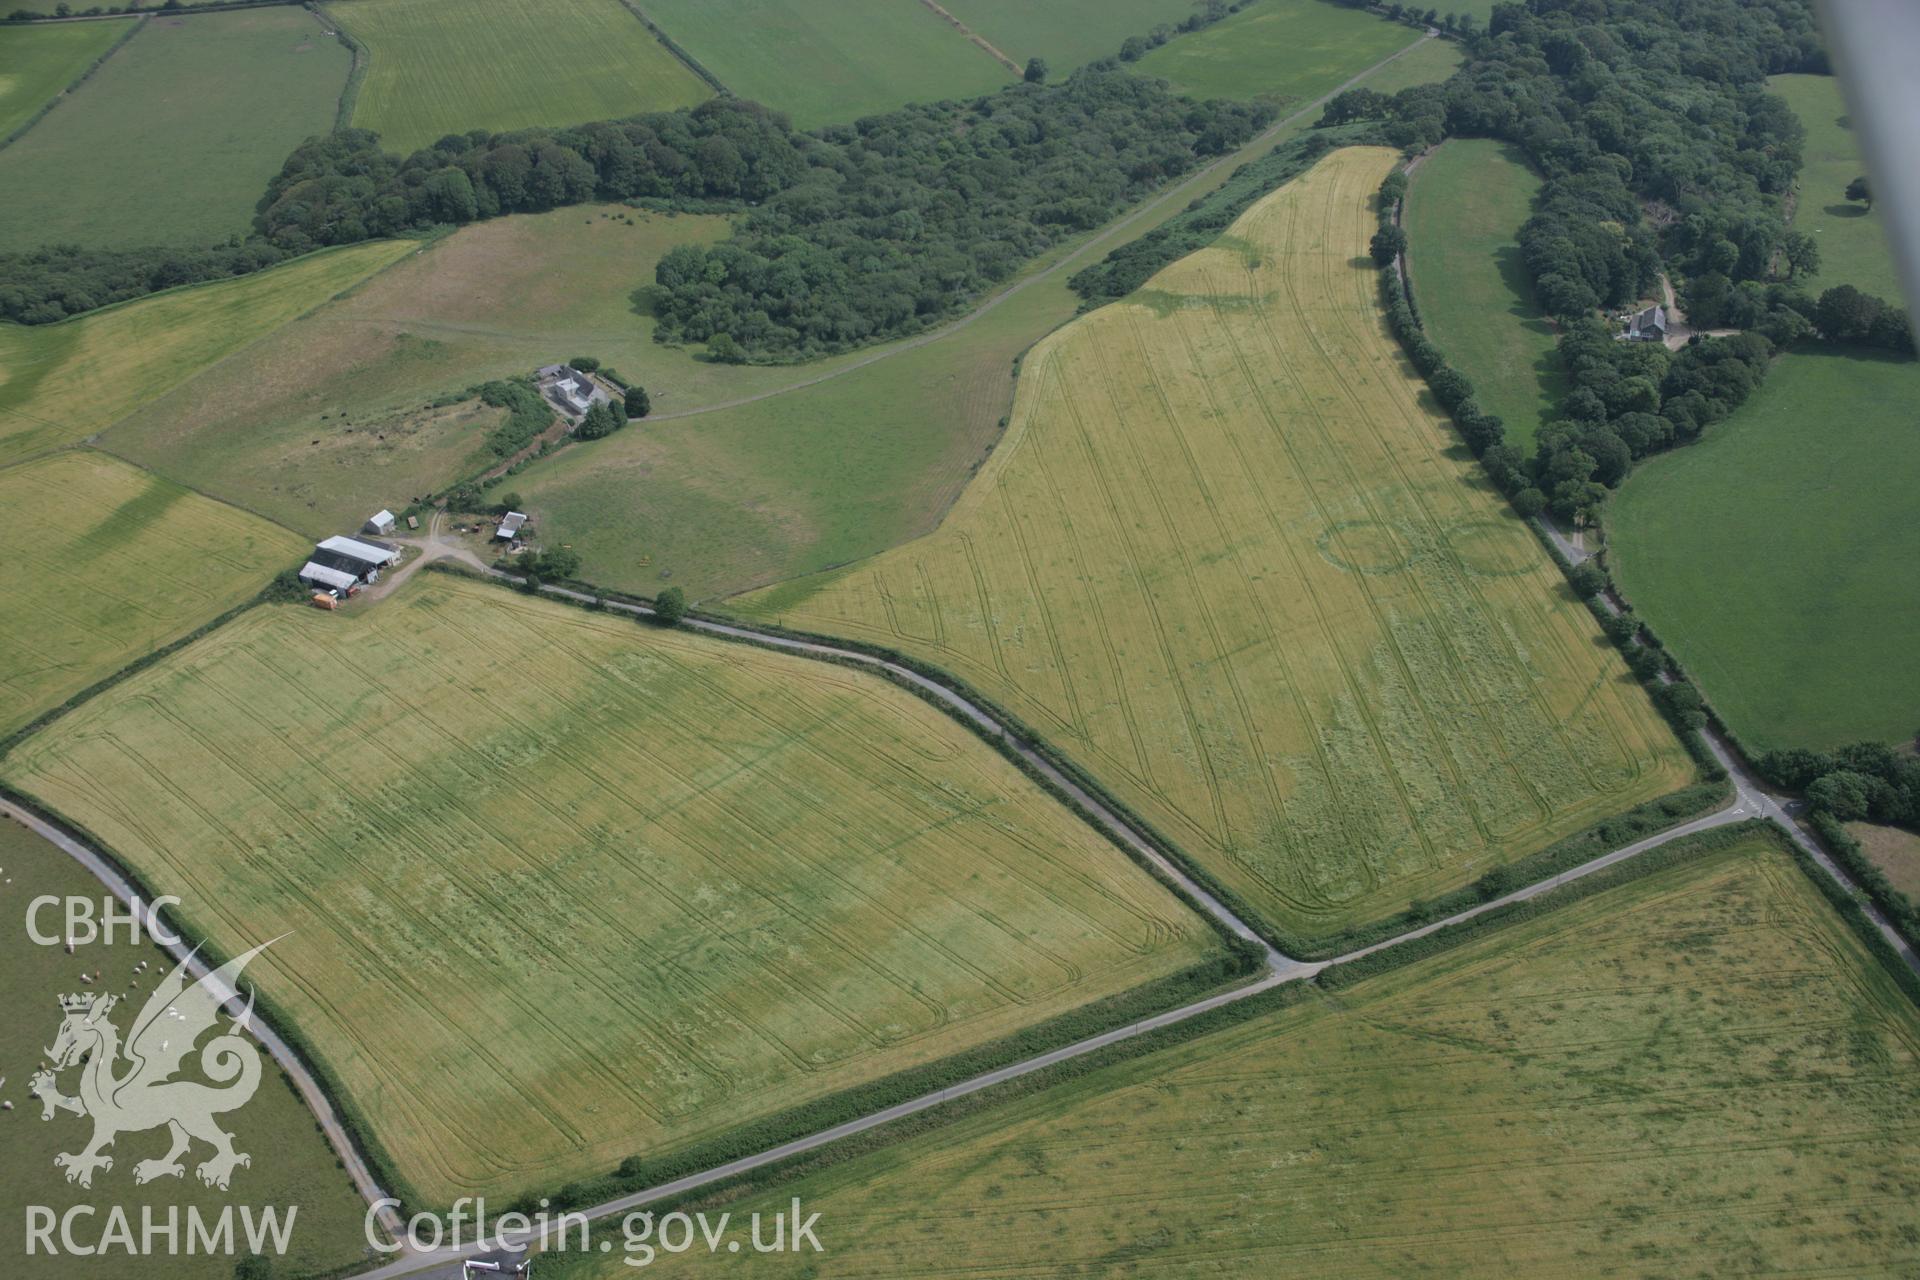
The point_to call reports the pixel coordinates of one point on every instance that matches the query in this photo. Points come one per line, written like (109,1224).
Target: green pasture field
(1894,850)
(37,63)
(830,63)
(1231,560)
(1852,239)
(316,421)
(747,496)
(1699,1072)
(448,66)
(1428,62)
(676,884)
(47,8)
(1066,33)
(174,139)
(60,383)
(870,457)
(121,564)
(324,417)
(1290,51)
(1779,559)
(1464,206)
(292,1163)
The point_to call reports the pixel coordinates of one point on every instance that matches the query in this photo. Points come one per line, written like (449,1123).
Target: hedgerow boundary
(1637,823)
(1646,819)
(74,85)
(1328,982)
(356,72)
(1234,963)
(353,1122)
(672,46)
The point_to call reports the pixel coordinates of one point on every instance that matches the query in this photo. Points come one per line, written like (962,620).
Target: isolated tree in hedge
(1387,244)
(1529,502)
(639,405)
(1682,701)
(1036,72)
(1842,793)
(1588,578)
(1860,190)
(670,606)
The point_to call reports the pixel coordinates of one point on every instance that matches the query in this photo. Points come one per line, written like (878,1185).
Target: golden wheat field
(561,888)
(121,563)
(1698,1073)
(1232,561)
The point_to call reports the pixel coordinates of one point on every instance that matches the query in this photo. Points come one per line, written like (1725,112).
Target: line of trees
(853,234)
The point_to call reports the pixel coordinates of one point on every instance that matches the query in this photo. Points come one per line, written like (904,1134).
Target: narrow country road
(1750,802)
(107,873)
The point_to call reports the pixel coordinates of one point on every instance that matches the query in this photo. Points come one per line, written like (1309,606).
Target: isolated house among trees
(1649,325)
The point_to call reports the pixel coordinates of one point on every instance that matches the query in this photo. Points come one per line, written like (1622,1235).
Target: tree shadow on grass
(1844,211)
(646,300)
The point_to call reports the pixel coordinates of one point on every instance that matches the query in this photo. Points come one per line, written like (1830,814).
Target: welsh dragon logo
(131,1088)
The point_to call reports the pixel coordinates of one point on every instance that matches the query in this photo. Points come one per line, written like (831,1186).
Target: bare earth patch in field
(563,888)
(1230,559)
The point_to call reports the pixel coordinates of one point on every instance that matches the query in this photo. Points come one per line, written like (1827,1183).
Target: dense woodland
(851,234)
(902,219)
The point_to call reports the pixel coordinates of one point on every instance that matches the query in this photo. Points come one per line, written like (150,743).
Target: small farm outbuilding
(381,522)
(510,525)
(315,574)
(363,560)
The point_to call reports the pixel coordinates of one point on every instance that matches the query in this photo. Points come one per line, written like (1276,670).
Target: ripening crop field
(562,888)
(1231,560)
(120,563)
(448,66)
(1699,1072)
(60,383)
